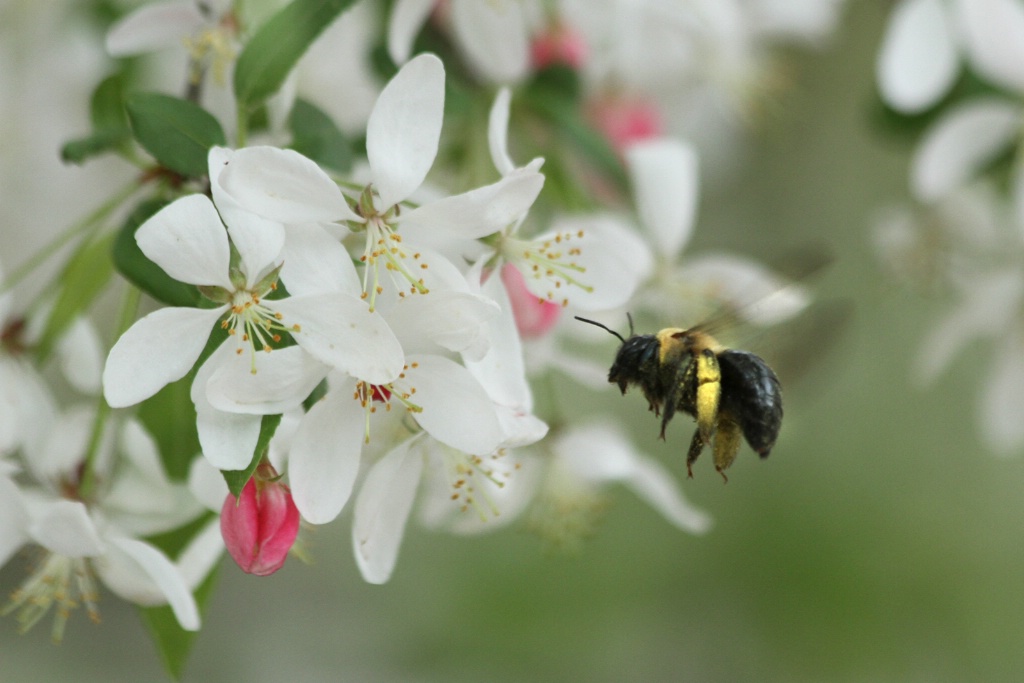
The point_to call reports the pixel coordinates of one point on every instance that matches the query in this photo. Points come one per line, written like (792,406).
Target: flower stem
(125,318)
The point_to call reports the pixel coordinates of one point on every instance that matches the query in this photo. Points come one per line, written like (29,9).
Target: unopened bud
(259,528)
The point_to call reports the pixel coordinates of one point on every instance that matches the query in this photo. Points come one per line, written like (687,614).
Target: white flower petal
(228,440)
(187,239)
(80,354)
(315,262)
(158,349)
(918,60)
(382,509)
(982,311)
(456,409)
(207,484)
(1001,412)
(201,554)
(494,37)
(325,455)
(601,453)
(154,27)
(259,242)
(992,32)
(479,212)
(956,147)
(407,18)
(120,572)
(757,294)
(284,186)
(497,132)
(502,371)
(456,321)
(282,380)
(217,160)
(404,128)
(340,330)
(65,528)
(141,451)
(664,173)
(654,483)
(13,517)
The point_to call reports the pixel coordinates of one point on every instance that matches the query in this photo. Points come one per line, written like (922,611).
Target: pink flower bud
(559,44)
(260,527)
(625,121)
(534,316)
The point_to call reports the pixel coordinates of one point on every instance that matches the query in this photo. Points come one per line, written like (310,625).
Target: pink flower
(534,316)
(559,44)
(260,528)
(626,121)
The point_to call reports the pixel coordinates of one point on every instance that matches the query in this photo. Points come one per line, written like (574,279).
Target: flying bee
(728,392)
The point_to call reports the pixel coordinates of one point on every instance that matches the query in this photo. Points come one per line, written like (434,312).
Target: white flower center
(551,260)
(213,46)
(400,390)
(66,582)
(473,477)
(253,324)
(384,248)
(566,511)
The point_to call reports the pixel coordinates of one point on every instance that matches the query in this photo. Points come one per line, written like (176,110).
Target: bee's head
(634,356)
(634,361)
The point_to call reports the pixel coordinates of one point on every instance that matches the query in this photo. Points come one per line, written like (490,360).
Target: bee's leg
(727,443)
(709,391)
(675,389)
(696,446)
(680,388)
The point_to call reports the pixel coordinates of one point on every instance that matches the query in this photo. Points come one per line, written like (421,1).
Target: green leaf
(315,136)
(170,417)
(110,130)
(270,55)
(106,107)
(172,641)
(236,478)
(566,119)
(139,270)
(176,132)
(85,274)
(79,150)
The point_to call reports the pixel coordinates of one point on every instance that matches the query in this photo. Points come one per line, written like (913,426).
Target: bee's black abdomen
(752,393)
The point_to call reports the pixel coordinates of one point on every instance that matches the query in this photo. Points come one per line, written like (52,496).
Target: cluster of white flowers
(961,63)
(384,328)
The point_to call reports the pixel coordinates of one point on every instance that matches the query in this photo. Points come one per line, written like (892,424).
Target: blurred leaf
(563,114)
(106,107)
(236,478)
(172,641)
(170,417)
(85,274)
(270,55)
(81,149)
(316,136)
(140,271)
(559,80)
(110,128)
(176,132)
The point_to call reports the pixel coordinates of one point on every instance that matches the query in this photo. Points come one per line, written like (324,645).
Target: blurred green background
(880,542)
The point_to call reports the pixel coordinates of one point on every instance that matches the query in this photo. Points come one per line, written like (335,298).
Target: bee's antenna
(629,317)
(605,327)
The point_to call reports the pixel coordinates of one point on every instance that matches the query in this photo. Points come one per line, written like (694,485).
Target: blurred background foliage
(880,542)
